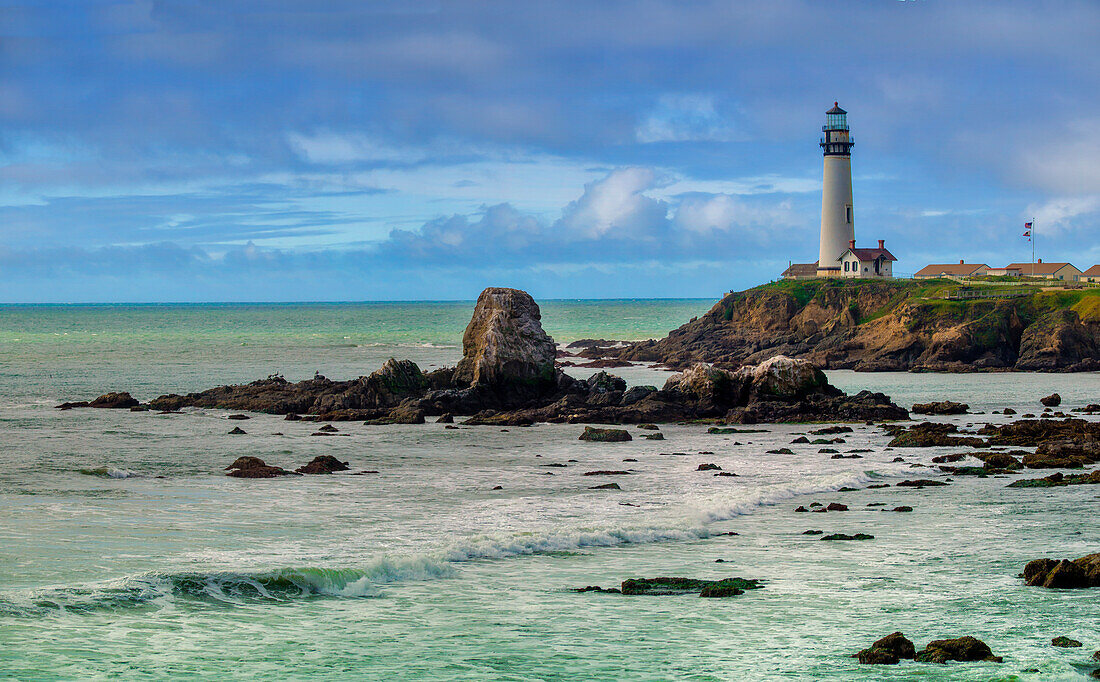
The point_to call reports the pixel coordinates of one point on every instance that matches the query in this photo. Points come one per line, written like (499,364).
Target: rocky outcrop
(605,435)
(1064,574)
(505,350)
(893,325)
(507,377)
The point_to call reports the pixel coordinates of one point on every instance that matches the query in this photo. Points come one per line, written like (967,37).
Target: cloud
(685,118)
(1065,214)
(618,206)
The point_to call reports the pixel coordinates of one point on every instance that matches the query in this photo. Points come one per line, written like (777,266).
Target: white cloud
(617,204)
(685,118)
(1060,214)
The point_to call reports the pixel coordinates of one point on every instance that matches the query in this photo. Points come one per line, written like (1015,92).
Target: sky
(285,150)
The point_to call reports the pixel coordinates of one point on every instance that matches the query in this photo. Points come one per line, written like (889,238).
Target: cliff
(894,325)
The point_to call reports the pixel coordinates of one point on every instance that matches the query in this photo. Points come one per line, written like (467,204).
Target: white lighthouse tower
(838,230)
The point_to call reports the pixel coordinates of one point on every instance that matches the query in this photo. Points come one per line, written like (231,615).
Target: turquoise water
(125,552)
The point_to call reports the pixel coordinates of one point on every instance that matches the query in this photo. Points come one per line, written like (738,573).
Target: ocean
(125,552)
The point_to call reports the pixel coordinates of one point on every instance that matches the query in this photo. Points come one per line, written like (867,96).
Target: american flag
(1027,231)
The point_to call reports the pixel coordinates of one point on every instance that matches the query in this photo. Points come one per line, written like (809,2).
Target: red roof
(1094,271)
(1040,268)
(869,254)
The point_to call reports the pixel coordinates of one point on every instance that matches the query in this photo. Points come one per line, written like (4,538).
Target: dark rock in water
(603,472)
(800,440)
(1096,655)
(707,588)
(121,400)
(648,427)
(708,467)
(888,650)
(597,588)
(606,486)
(1065,643)
(1080,573)
(254,467)
(943,407)
(1052,400)
(877,486)
(836,506)
(605,435)
(328,428)
(846,457)
(323,464)
(653,436)
(965,649)
(139,408)
(493,418)
(498,487)
(725,473)
(944,459)
(831,430)
(630,459)
(238,417)
(999,460)
(902,508)
(237,431)
(781,451)
(931,434)
(447,418)
(801,509)
(1008,411)
(842,536)
(813,532)
(920,483)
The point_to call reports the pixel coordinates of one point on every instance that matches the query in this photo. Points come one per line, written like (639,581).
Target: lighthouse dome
(836,109)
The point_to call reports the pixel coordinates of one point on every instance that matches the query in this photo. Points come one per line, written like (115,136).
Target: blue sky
(363,150)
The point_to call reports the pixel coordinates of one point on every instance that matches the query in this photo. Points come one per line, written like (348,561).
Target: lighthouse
(837,218)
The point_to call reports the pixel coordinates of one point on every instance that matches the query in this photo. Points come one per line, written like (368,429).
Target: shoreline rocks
(1080,573)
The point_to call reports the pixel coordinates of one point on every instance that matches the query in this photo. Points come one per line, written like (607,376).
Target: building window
(848,213)
(845,266)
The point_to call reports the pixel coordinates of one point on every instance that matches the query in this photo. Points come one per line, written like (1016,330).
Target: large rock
(888,650)
(505,348)
(785,378)
(1082,572)
(963,649)
(254,467)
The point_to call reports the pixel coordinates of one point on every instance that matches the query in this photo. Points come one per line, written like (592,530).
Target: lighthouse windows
(848,213)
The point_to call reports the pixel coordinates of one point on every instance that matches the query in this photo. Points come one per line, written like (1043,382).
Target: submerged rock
(1065,643)
(706,588)
(120,400)
(842,536)
(1052,400)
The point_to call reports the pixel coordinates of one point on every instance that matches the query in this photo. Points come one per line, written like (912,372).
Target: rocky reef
(892,325)
(508,376)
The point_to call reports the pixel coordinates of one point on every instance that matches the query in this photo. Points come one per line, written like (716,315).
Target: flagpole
(1033,247)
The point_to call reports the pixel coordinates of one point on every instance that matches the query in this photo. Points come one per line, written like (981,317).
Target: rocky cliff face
(504,348)
(884,326)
